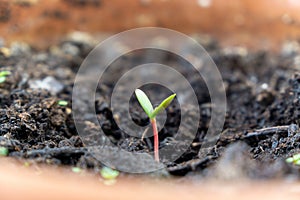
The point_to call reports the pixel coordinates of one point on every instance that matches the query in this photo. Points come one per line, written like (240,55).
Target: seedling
(76,169)
(108,173)
(152,113)
(3,75)
(3,151)
(62,103)
(295,159)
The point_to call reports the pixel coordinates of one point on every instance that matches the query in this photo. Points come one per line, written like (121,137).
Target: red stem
(155,134)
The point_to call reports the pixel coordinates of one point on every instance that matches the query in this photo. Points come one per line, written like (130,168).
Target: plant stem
(155,134)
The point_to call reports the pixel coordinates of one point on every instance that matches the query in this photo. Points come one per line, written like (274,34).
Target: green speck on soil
(295,159)
(2,79)
(108,173)
(4,73)
(3,151)
(76,169)
(62,103)
(289,160)
(296,156)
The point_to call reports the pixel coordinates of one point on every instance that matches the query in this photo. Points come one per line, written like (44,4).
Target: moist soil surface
(260,131)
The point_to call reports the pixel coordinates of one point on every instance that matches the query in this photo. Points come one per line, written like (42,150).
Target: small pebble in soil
(19,49)
(81,38)
(49,83)
(290,48)
(27,164)
(5,52)
(70,49)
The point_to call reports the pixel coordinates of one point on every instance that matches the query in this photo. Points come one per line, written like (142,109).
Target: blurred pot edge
(45,182)
(259,25)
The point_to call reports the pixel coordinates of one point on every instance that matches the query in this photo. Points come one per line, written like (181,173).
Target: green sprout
(3,75)
(295,159)
(76,169)
(3,151)
(108,173)
(152,113)
(62,103)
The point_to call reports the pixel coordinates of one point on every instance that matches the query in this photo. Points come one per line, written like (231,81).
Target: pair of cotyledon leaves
(147,105)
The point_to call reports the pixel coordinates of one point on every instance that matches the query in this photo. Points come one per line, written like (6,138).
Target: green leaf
(3,151)
(2,79)
(297,162)
(144,102)
(296,156)
(62,103)
(289,160)
(108,173)
(163,105)
(76,169)
(5,73)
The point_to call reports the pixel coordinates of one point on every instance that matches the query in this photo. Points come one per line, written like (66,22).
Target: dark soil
(260,131)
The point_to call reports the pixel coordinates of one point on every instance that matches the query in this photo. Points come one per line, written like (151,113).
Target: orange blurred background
(263,24)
